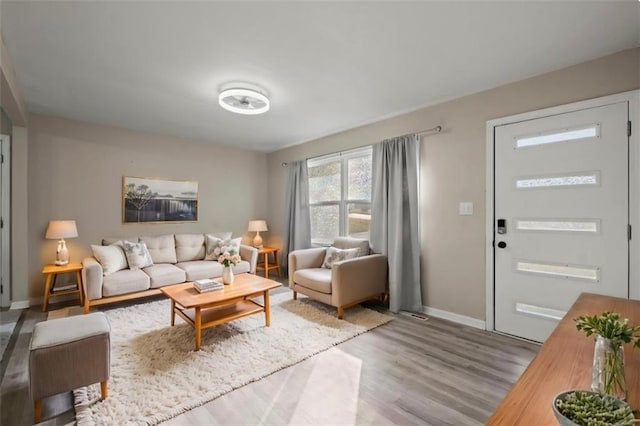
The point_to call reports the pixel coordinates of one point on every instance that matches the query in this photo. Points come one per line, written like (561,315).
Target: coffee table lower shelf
(210,317)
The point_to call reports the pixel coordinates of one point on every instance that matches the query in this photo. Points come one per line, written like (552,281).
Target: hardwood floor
(409,371)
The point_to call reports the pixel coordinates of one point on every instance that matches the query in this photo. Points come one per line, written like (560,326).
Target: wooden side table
(266,250)
(51,272)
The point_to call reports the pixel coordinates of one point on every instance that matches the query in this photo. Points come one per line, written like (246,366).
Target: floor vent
(420,317)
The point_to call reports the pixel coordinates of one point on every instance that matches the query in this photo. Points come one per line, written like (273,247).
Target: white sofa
(176,259)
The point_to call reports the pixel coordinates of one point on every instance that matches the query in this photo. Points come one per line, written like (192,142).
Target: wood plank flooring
(409,371)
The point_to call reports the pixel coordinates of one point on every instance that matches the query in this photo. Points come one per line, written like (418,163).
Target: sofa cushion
(137,255)
(111,258)
(162,248)
(199,269)
(189,247)
(216,247)
(318,279)
(333,255)
(242,267)
(163,274)
(348,242)
(125,281)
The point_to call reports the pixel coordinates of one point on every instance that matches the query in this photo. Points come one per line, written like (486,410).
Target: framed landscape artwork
(148,200)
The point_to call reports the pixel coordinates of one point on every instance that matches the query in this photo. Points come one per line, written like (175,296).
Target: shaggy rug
(156,374)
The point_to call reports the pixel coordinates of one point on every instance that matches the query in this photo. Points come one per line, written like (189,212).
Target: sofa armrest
(356,279)
(305,259)
(92,278)
(250,254)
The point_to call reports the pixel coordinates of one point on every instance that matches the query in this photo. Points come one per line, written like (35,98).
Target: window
(566,135)
(340,195)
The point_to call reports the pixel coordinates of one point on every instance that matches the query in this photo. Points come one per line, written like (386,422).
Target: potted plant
(608,355)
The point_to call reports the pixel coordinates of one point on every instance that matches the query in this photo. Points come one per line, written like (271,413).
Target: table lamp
(59,230)
(257,226)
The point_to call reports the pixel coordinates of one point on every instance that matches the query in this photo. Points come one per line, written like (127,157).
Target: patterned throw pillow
(111,257)
(217,246)
(334,255)
(137,255)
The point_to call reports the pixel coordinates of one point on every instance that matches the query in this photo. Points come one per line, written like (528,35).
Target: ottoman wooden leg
(103,389)
(295,295)
(37,411)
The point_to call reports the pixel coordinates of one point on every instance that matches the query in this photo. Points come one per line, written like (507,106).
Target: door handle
(502,244)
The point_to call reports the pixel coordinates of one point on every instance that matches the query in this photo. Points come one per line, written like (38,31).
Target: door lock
(502,226)
(502,244)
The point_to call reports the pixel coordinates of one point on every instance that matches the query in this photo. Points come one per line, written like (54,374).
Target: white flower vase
(227,275)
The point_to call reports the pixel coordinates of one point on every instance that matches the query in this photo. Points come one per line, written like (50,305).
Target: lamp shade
(258,226)
(58,229)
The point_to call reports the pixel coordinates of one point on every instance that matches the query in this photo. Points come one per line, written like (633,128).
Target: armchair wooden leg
(340,312)
(295,295)
(37,411)
(103,389)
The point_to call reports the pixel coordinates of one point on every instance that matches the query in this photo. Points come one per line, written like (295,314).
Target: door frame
(5,212)
(633,97)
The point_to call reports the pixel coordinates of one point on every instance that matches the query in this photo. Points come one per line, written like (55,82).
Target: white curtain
(297,228)
(394,218)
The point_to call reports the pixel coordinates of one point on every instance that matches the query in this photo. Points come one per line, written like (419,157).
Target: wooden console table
(564,363)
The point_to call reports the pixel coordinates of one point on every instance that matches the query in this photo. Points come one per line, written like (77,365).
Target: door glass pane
(324,182)
(325,224)
(559,136)
(539,311)
(568,225)
(577,179)
(359,220)
(359,178)
(559,271)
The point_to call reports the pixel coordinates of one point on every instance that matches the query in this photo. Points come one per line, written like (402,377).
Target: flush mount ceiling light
(243,100)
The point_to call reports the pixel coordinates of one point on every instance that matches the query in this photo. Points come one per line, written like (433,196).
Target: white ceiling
(157,66)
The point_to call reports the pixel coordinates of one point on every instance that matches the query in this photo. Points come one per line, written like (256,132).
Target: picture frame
(158,200)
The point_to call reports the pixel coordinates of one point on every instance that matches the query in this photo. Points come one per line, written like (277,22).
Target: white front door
(561,215)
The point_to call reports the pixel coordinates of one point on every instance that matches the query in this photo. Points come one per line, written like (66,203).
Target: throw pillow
(334,255)
(217,246)
(221,235)
(111,257)
(137,255)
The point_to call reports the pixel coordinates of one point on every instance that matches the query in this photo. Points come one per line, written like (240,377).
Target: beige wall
(453,169)
(19,218)
(5,123)
(10,96)
(76,170)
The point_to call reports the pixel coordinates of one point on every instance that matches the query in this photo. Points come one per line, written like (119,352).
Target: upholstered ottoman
(68,353)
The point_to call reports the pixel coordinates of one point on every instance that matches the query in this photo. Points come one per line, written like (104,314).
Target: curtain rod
(436,129)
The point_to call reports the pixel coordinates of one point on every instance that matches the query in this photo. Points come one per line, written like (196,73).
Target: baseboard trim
(20,304)
(452,316)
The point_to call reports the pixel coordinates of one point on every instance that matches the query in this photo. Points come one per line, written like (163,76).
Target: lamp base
(62,254)
(257,241)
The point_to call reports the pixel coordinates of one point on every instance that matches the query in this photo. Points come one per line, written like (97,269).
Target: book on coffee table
(207,285)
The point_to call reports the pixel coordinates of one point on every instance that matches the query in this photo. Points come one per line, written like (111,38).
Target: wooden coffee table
(204,310)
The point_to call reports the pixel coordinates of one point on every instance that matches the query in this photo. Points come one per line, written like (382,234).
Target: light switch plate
(466,208)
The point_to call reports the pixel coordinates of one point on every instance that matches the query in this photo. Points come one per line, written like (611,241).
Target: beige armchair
(347,283)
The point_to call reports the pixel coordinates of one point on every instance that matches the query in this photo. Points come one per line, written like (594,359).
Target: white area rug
(156,375)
